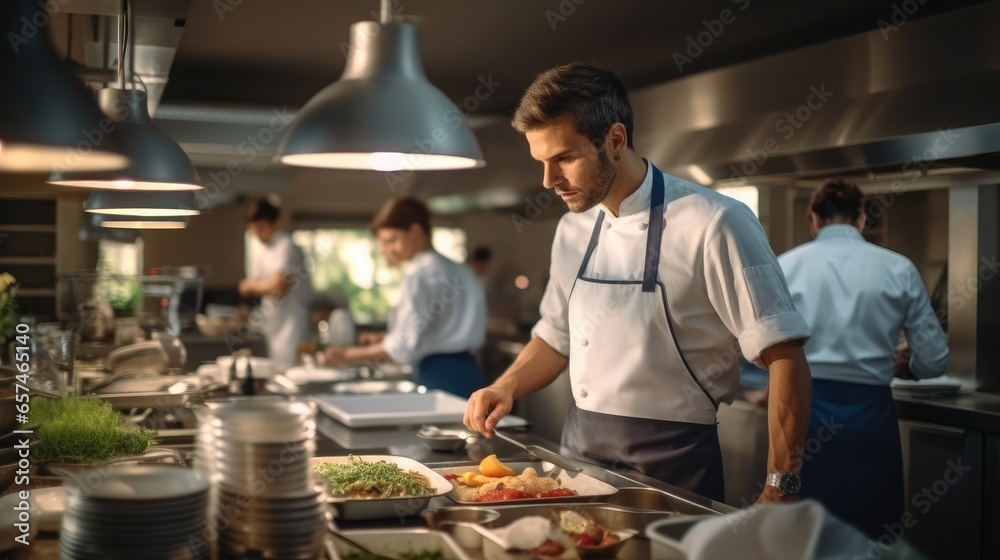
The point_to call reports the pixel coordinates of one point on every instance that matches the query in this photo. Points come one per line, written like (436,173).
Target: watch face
(790,483)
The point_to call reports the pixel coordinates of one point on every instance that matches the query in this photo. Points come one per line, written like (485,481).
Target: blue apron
(457,373)
(853,462)
(637,403)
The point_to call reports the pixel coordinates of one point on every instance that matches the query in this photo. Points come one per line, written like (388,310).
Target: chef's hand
(486,407)
(366,338)
(334,356)
(244,288)
(902,369)
(772,495)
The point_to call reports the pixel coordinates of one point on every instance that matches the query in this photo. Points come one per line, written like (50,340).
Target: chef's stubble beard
(599,184)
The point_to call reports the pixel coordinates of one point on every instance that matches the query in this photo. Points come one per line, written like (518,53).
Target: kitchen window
(346,265)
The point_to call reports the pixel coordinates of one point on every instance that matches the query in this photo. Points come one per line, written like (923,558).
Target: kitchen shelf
(27,228)
(28,260)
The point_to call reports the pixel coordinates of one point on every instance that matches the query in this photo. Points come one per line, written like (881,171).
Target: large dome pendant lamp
(48,118)
(382,114)
(157,162)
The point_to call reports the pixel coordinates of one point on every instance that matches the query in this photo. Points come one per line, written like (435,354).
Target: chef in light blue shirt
(857,297)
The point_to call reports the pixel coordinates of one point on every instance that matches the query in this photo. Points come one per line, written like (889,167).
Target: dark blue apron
(457,373)
(638,405)
(852,461)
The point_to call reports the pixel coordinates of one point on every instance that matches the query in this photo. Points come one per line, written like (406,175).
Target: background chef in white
(279,277)
(652,278)
(441,315)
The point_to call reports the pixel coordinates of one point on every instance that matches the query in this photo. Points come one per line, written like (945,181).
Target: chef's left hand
(772,495)
(334,356)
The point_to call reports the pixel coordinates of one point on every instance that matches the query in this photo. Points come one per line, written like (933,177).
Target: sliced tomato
(548,549)
(557,493)
(583,539)
(503,495)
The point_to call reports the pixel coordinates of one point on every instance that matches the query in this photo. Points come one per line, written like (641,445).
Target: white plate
(943,384)
(365,411)
(398,541)
(588,488)
(142,482)
(379,508)
(300,375)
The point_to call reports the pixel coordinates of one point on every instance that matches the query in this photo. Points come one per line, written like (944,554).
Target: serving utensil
(542,453)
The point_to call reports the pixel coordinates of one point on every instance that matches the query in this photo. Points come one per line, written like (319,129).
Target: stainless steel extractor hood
(916,100)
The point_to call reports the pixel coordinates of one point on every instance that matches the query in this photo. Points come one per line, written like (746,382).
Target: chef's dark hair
(837,198)
(594,97)
(401,213)
(262,210)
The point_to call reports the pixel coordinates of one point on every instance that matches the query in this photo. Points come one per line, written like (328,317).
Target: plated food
(497,482)
(560,535)
(359,478)
(377,486)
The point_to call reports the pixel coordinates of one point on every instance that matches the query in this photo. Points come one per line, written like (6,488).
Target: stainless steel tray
(588,488)
(471,535)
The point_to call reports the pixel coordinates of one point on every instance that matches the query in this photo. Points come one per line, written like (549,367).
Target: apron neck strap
(654,234)
(595,235)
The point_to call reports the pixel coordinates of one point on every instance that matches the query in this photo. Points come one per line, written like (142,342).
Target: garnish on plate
(357,478)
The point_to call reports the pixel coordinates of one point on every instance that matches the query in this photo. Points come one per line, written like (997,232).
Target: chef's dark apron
(457,373)
(853,459)
(638,405)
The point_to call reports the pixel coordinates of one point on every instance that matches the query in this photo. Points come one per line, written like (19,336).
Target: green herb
(419,555)
(83,430)
(372,479)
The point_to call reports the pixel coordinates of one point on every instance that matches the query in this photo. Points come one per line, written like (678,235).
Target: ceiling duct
(917,101)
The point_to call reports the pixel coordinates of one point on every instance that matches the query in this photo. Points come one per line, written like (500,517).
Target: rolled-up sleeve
(553,326)
(929,353)
(746,285)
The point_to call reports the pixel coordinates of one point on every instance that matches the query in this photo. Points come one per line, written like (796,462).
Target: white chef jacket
(286,319)
(725,292)
(858,296)
(441,310)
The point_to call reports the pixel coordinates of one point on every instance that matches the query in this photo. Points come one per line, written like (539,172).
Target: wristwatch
(787,483)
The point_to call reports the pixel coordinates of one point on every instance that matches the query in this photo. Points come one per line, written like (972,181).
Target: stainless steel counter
(966,410)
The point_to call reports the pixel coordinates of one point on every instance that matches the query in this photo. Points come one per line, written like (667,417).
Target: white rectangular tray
(398,541)
(366,411)
(381,508)
(588,488)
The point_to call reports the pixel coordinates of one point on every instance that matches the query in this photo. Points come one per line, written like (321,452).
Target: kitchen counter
(336,439)
(966,409)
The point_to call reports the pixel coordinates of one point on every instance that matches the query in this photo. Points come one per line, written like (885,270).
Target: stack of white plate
(268,504)
(136,511)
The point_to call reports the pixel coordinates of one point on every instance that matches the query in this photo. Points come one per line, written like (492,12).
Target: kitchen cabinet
(28,252)
(945,480)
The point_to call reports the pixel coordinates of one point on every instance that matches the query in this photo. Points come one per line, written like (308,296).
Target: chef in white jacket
(655,284)
(280,278)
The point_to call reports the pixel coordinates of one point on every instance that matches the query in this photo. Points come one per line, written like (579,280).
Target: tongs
(542,453)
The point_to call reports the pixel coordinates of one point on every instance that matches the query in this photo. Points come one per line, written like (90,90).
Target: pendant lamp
(382,113)
(157,162)
(48,117)
(137,203)
(144,222)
